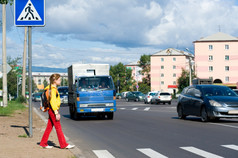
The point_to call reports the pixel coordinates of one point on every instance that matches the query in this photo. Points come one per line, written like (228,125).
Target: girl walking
(54,116)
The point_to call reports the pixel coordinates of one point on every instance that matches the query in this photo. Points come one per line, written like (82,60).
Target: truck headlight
(83,105)
(214,103)
(109,104)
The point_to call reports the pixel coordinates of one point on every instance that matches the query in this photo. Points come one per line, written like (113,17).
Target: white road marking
(224,125)
(200,152)
(151,153)
(134,108)
(122,108)
(103,154)
(147,109)
(234,147)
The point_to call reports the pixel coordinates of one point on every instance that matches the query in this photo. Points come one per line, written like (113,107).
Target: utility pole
(24,65)
(4,56)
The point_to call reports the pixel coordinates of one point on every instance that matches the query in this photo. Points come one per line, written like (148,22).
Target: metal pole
(30,78)
(190,72)
(24,65)
(4,56)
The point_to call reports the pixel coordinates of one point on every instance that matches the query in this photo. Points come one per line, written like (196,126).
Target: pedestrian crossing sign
(29,12)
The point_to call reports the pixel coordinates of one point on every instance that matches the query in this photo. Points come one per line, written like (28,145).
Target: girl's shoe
(70,146)
(47,147)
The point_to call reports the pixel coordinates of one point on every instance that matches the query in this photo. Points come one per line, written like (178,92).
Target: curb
(76,151)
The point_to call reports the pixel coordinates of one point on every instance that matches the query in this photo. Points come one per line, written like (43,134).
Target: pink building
(216,57)
(135,74)
(166,67)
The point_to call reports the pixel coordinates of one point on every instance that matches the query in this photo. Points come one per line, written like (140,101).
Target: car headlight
(214,103)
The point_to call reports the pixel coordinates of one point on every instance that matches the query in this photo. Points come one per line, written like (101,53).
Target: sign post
(28,13)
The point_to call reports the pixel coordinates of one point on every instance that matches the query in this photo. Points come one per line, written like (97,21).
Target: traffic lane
(138,129)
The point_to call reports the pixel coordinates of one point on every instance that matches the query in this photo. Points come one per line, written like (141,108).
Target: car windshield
(138,93)
(218,91)
(152,94)
(95,83)
(63,90)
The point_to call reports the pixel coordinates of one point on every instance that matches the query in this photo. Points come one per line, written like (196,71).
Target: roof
(218,37)
(133,64)
(172,52)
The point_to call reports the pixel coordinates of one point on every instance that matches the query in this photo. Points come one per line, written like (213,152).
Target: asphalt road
(141,130)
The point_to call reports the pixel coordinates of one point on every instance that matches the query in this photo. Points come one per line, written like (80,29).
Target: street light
(190,67)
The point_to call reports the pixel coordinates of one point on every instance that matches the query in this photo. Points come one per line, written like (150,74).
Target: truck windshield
(95,83)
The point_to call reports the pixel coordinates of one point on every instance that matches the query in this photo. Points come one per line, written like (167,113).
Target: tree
(144,63)
(120,73)
(183,80)
(6,1)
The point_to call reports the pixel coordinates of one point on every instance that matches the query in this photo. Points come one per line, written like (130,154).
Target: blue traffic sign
(29,12)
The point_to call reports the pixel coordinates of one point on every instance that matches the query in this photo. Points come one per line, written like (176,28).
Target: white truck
(91,91)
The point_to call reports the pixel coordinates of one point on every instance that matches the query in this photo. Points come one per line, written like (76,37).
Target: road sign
(29,12)
(8,69)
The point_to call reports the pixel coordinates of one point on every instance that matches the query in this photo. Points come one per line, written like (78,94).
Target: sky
(113,31)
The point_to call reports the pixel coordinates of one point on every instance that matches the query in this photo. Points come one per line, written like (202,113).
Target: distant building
(166,68)
(136,75)
(39,77)
(216,57)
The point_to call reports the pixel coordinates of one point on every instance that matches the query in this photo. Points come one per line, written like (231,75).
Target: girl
(54,116)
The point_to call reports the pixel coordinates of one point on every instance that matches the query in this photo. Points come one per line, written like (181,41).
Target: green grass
(23,136)
(11,108)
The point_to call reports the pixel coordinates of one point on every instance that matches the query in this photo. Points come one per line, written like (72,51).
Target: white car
(162,97)
(149,96)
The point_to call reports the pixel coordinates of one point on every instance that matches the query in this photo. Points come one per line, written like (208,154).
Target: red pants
(52,122)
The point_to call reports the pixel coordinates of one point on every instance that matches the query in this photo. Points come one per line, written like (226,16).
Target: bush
(21,99)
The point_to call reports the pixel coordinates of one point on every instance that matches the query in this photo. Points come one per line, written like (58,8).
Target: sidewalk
(14,144)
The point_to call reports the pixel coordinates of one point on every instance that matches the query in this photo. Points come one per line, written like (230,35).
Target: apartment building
(216,57)
(135,74)
(166,68)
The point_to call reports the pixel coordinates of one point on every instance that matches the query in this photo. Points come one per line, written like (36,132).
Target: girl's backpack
(45,104)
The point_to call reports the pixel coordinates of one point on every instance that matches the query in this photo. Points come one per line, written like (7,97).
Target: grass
(23,136)
(11,108)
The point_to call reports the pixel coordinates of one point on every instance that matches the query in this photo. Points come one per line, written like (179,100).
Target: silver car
(149,96)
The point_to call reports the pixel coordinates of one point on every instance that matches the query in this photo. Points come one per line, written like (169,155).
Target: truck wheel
(110,115)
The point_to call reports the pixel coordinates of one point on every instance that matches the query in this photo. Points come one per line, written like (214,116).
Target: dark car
(136,96)
(236,91)
(63,91)
(210,102)
(36,96)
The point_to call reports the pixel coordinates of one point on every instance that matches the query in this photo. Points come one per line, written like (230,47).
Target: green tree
(183,80)
(121,73)
(6,1)
(144,63)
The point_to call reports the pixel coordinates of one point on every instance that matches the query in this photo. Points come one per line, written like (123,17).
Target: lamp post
(190,67)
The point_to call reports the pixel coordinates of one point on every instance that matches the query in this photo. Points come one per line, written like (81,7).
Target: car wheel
(169,103)
(180,112)
(204,116)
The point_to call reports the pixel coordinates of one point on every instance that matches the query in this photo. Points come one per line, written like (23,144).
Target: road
(143,130)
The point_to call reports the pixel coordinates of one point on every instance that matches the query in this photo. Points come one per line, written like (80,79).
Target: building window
(227,57)
(162,59)
(162,75)
(162,67)
(227,78)
(210,58)
(162,82)
(226,68)
(174,59)
(226,46)
(210,47)
(174,82)
(210,68)
(174,66)
(174,75)
(39,81)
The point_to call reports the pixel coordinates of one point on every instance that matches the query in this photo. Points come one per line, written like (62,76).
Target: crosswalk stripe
(201,152)
(134,108)
(234,147)
(122,108)
(151,153)
(147,109)
(103,154)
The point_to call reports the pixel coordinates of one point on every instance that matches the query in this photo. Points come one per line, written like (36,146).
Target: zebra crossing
(147,108)
(148,152)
